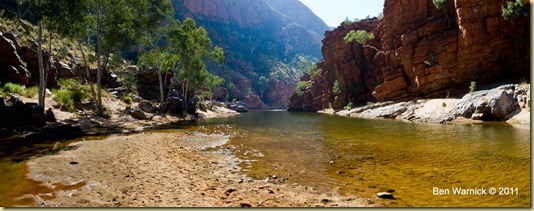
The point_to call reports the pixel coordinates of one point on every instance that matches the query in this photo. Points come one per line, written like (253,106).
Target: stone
(175,105)
(385,195)
(148,83)
(31,57)
(494,104)
(147,107)
(20,114)
(11,67)
(50,117)
(138,114)
(63,70)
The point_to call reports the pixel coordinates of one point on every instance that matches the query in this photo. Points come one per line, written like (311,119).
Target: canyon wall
(420,52)
(258,37)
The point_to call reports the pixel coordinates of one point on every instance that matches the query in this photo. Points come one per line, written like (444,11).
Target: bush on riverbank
(20,89)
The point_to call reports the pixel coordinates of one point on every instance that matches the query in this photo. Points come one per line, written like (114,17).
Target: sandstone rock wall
(425,53)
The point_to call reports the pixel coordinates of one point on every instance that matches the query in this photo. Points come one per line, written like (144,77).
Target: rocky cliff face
(424,52)
(257,37)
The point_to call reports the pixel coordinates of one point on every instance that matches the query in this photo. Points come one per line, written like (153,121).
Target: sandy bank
(163,170)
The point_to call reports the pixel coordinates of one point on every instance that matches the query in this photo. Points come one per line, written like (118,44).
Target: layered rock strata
(423,52)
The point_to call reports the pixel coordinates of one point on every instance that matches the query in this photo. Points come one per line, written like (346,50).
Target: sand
(180,169)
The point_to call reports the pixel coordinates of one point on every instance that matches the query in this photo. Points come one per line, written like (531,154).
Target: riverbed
(367,156)
(305,159)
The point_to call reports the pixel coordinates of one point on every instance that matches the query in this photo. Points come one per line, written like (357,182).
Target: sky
(333,12)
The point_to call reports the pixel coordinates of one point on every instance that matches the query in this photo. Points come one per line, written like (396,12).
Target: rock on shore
(498,104)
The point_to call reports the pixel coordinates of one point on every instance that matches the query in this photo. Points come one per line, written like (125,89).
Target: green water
(357,157)
(363,157)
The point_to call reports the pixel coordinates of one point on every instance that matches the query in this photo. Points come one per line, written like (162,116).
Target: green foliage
(205,95)
(472,87)
(347,22)
(443,105)
(431,60)
(360,36)
(314,71)
(129,81)
(128,100)
(336,89)
(349,106)
(63,52)
(20,89)
(302,86)
(514,9)
(263,82)
(439,4)
(70,93)
(116,60)
(14,88)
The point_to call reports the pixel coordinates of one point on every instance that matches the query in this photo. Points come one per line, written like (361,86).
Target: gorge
(420,52)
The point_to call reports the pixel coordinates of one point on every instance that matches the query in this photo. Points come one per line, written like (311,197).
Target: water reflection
(363,157)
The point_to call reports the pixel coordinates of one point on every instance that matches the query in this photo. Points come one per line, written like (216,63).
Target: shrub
(347,21)
(13,88)
(431,60)
(63,52)
(314,71)
(31,91)
(515,9)
(128,100)
(336,89)
(348,106)
(301,87)
(439,4)
(71,92)
(129,81)
(361,36)
(472,87)
(20,89)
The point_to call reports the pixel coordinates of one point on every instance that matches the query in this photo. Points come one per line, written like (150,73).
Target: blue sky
(333,12)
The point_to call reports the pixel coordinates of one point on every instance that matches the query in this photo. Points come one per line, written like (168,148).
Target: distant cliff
(260,38)
(423,52)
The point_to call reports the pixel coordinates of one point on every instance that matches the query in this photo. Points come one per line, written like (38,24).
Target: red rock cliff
(425,52)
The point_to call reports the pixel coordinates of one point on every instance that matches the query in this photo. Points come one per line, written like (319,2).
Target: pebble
(385,195)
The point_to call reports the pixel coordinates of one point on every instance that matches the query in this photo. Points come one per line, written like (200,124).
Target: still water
(363,157)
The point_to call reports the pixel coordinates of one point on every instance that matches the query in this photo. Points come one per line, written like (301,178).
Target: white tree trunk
(99,69)
(42,78)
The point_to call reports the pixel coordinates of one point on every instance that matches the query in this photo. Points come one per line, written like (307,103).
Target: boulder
(238,106)
(147,107)
(11,67)
(50,117)
(494,104)
(58,131)
(138,114)
(148,83)
(19,115)
(31,57)
(385,195)
(63,70)
(175,105)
